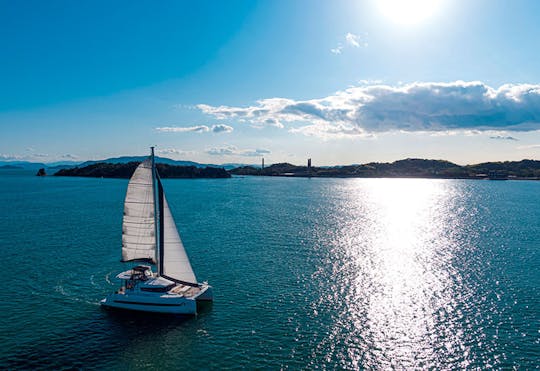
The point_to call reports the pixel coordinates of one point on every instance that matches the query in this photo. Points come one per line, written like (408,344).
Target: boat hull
(206,293)
(156,304)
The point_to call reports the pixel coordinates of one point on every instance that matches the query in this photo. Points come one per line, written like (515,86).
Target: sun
(408,12)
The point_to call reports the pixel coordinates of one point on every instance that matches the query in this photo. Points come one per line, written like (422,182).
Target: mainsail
(138,226)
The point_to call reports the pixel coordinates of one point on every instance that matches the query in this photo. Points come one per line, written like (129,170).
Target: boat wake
(60,289)
(108,278)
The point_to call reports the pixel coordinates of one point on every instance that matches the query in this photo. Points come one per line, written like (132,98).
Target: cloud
(26,157)
(254,152)
(33,153)
(230,150)
(261,115)
(70,156)
(416,107)
(184,129)
(531,146)
(173,151)
(501,137)
(352,39)
(221,128)
(5,156)
(221,151)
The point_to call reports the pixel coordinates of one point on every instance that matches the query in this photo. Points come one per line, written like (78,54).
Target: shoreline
(378,177)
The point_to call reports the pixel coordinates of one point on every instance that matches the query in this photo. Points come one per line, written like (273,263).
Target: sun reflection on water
(398,287)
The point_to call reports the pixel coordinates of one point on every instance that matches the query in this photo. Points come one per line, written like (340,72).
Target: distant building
(309,166)
(262,165)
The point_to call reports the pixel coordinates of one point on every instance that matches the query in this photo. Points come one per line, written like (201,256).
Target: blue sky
(341,82)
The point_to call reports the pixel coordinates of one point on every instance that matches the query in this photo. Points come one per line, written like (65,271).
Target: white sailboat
(149,235)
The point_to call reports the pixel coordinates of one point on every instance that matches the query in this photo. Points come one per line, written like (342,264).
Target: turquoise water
(307,273)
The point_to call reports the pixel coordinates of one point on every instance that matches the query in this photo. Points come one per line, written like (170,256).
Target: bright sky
(231,81)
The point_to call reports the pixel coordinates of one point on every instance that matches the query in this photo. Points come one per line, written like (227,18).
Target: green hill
(407,168)
(125,170)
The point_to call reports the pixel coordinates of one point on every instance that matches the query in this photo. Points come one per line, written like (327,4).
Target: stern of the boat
(206,293)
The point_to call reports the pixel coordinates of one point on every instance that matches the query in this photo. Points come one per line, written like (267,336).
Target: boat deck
(187,291)
(184,290)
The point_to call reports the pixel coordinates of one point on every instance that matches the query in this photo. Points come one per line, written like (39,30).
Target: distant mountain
(229,166)
(62,164)
(408,168)
(24,164)
(125,170)
(58,167)
(127,159)
(10,167)
(411,167)
(113,160)
(159,160)
(523,168)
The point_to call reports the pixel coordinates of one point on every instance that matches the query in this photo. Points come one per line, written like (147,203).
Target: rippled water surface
(329,273)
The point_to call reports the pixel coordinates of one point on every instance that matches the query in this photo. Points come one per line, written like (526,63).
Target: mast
(161,250)
(158,247)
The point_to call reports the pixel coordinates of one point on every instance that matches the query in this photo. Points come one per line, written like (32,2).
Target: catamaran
(149,234)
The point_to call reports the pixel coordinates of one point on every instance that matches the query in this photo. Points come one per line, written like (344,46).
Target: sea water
(307,273)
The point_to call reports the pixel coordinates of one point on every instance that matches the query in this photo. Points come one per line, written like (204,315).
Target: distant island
(125,170)
(55,166)
(408,168)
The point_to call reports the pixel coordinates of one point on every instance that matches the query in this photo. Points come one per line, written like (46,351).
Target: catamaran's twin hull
(164,303)
(206,294)
(135,302)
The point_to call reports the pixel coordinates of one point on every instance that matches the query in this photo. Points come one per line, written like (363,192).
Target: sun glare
(408,12)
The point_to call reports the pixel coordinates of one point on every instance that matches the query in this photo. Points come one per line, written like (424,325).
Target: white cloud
(352,39)
(221,151)
(531,146)
(5,156)
(221,128)
(70,156)
(25,157)
(417,107)
(33,155)
(503,137)
(326,131)
(184,129)
(230,150)
(260,115)
(254,152)
(218,128)
(173,151)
